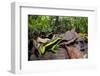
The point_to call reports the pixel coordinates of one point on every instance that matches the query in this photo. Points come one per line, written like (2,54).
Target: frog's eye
(76,42)
(81,42)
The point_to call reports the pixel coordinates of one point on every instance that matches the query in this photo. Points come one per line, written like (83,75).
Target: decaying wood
(75,47)
(61,54)
(47,56)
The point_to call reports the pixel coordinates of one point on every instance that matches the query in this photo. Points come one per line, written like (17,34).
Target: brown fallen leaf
(74,53)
